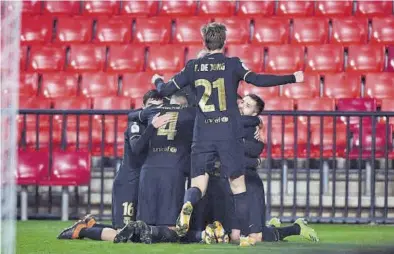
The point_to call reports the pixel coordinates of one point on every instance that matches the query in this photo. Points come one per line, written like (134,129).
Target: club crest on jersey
(134,128)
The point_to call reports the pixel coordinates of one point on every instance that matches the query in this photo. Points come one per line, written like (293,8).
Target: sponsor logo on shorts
(168,149)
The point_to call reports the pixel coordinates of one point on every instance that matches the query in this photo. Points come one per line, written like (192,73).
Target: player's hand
(299,76)
(159,121)
(155,77)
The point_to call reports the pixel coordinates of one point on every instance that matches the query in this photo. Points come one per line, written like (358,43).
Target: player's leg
(255,190)
(299,227)
(89,228)
(124,203)
(231,156)
(202,157)
(147,196)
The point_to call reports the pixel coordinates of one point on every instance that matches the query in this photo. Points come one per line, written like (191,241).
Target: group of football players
(195,127)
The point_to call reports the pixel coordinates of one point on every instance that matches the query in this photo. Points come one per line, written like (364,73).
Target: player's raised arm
(179,81)
(263,80)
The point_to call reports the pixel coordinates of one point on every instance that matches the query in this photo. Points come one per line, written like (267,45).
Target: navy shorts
(256,196)
(230,153)
(160,195)
(214,206)
(124,198)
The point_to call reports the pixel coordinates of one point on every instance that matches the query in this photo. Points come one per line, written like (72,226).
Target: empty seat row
(280,58)
(66,30)
(134,85)
(212,8)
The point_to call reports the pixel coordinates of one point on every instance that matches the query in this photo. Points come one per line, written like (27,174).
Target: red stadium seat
(285,58)
(178,8)
(126,58)
(316,104)
(279,104)
(271,31)
(99,84)
(390,65)
(31,164)
(95,8)
(382,142)
(334,8)
(47,58)
(59,84)
(388,106)
(187,30)
(379,85)
(192,51)
(28,84)
(77,138)
(356,104)
(325,58)
(366,58)
(288,141)
(86,58)
(111,102)
(295,8)
(265,93)
(166,58)
(73,103)
(217,8)
(308,89)
(237,30)
(325,149)
(251,56)
(256,8)
(62,7)
(36,29)
(139,8)
(34,103)
(374,8)
(383,30)
(69,168)
(31,7)
(349,30)
(22,58)
(74,29)
(111,141)
(310,31)
(342,85)
(153,30)
(114,30)
(135,85)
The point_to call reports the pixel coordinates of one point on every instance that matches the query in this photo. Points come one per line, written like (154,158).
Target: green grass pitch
(40,237)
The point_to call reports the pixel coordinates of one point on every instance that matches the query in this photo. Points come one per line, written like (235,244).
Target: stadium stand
(334,8)
(61,8)
(28,84)
(36,29)
(86,58)
(349,30)
(59,84)
(308,31)
(325,58)
(271,31)
(113,30)
(256,8)
(74,30)
(139,8)
(251,56)
(187,30)
(178,8)
(152,30)
(45,58)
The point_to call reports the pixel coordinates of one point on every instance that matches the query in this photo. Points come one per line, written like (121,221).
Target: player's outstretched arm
(263,80)
(251,163)
(133,116)
(250,121)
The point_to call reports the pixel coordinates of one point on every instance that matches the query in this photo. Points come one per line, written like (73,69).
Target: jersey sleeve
(251,163)
(260,80)
(133,116)
(250,121)
(139,138)
(179,81)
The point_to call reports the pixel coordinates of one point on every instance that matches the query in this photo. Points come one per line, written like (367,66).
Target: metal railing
(348,182)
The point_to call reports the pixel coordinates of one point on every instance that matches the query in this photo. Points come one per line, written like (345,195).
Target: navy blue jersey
(170,144)
(214,79)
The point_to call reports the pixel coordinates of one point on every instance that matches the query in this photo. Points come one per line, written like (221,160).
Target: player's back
(215,82)
(170,145)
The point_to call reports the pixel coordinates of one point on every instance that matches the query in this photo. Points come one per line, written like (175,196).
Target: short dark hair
(214,35)
(260,104)
(151,94)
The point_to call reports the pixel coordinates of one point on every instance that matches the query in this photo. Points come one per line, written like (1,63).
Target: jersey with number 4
(215,80)
(170,145)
